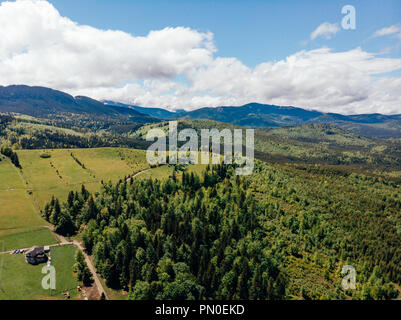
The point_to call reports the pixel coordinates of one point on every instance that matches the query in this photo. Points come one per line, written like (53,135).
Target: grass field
(61,173)
(23,193)
(16,208)
(28,238)
(22,281)
(163,172)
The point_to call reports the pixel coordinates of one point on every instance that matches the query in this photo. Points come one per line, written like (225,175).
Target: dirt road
(92,270)
(64,241)
(138,173)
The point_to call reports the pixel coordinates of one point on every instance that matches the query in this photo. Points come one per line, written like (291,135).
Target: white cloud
(175,67)
(341,82)
(394,29)
(38,46)
(326,30)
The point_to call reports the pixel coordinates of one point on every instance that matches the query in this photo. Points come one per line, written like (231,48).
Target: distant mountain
(45,102)
(256,115)
(154,112)
(261,115)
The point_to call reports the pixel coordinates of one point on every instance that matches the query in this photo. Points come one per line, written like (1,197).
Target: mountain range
(261,115)
(41,101)
(46,102)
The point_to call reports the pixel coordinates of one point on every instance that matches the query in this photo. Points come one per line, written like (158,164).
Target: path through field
(138,173)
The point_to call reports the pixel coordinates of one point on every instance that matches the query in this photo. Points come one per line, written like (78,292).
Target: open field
(22,281)
(62,173)
(16,211)
(28,238)
(23,193)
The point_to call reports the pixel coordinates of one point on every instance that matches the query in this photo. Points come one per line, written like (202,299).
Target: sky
(190,54)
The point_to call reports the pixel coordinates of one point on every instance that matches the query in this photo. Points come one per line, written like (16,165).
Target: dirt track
(64,241)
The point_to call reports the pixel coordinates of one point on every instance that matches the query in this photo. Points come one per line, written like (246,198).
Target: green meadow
(47,173)
(27,238)
(17,211)
(61,172)
(165,171)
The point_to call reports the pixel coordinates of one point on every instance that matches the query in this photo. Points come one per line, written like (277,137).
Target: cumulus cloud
(325,30)
(38,46)
(341,82)
(176,68)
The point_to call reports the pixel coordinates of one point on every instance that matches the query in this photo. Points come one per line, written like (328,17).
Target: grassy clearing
(62,173)
(16,209)
(63,259)
(112,163)
(23,193)
(29,238)
(22,281)
(164,172)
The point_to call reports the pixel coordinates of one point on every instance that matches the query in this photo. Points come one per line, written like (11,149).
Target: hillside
(43,173)
(297,220)
(255,115)
(311,143)
(45,102)
(26,132)
(282,233)
(260,115)
(154,112)
(52,104)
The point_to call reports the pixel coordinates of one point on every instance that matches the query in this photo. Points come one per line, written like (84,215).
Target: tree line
(8,152)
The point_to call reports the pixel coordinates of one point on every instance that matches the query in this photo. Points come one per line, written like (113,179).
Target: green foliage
(83,272)
(67,131)
(45,156)
(321,219)
(8,152)
(188,239)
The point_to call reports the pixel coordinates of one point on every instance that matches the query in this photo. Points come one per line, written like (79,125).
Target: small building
(36,255)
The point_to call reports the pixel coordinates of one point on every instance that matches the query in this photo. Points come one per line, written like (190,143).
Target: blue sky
(190,54)
(253,30)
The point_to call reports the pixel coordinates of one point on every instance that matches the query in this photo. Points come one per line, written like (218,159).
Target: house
(36,255)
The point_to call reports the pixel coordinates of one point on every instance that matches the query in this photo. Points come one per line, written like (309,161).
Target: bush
(45,155)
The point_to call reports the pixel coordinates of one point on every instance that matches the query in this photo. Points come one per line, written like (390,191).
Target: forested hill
(154,112)
(310,143)
(45,102)
(261,115)
(284,232)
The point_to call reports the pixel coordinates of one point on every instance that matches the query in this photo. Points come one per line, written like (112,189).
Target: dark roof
(34,251)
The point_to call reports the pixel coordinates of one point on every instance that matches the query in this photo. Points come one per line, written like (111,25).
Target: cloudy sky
(190,54)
